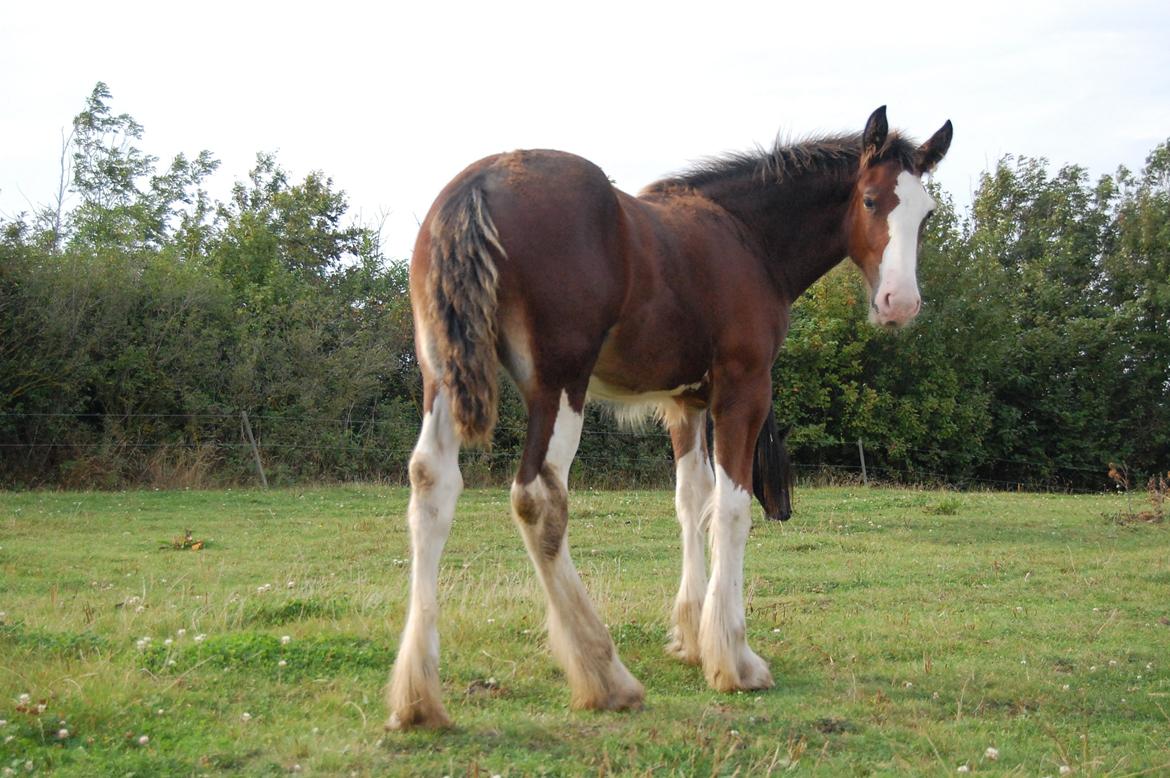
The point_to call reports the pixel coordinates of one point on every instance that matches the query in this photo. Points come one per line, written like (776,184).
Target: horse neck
(799,224)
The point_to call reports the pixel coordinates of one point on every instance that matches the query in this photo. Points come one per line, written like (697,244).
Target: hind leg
(694,482)
(579,640)
(413,696)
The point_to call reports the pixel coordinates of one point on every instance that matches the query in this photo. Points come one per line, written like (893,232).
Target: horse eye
(868,202)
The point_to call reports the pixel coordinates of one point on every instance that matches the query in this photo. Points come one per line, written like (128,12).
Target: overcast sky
(392,101)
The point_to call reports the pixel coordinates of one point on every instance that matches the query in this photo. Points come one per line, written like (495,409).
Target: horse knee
(541,508)
(429,472)
(435,487)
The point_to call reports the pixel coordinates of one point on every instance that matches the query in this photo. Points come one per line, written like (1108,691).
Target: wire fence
(210,448)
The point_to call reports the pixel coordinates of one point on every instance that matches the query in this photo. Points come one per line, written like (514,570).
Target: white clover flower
(290,584)
(991,753)
(245,717)
(282,663)
(143,740)
(200,638)
(285,640)
(168,642)
(25,699)
(964,768)
(180,632)
(1065,770)
(62,733)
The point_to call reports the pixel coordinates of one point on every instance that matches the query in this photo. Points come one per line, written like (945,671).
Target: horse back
(653,286)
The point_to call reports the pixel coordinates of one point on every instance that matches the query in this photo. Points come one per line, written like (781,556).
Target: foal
(676,300)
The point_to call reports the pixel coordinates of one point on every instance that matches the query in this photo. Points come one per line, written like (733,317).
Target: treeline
(139,319)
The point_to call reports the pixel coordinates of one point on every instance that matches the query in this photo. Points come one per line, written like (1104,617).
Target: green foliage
(131,341)
(1042,353)
(125,202)
(136,325)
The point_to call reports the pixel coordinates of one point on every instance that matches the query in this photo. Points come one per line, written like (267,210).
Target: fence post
(861,456)
(255,450)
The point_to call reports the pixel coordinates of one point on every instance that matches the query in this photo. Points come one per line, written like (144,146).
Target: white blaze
(896,299)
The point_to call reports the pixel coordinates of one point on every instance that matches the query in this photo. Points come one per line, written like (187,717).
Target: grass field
(908,632)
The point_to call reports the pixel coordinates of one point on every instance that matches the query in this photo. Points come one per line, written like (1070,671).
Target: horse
(673,303)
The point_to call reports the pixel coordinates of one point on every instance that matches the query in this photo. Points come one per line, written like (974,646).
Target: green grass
(908,631)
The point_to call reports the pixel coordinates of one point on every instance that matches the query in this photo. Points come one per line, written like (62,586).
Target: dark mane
(837,154)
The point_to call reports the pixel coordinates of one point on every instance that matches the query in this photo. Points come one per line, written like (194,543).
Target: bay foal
(675,301)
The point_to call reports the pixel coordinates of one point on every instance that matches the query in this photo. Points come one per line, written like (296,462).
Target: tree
(125,202)
(1137,289)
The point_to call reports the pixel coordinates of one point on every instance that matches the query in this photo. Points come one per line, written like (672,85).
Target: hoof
(749,673)
(629,697)
(410,719)
(621,691)
(678,648)
(754,673)
(684,635)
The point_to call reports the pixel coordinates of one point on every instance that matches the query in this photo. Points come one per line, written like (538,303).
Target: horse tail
(772,470)
(462,286)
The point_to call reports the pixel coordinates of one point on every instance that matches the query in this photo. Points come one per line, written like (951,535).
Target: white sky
(392,101)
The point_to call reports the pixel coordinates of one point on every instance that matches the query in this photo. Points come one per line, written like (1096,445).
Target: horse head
(888,209)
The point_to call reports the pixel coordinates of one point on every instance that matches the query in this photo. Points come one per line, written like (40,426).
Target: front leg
(728,663)
(694,484)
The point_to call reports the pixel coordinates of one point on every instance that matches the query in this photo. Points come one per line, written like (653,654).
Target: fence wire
(609,456)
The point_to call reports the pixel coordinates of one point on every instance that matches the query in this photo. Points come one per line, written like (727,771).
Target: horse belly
(641,375)
(633,409)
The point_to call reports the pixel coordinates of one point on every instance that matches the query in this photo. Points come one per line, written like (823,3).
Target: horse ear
(875,133)
(931,153)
